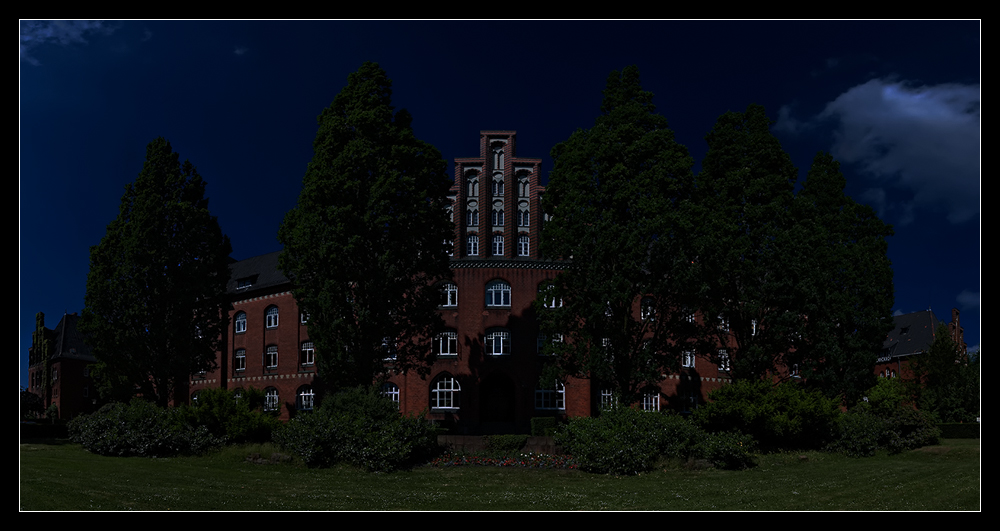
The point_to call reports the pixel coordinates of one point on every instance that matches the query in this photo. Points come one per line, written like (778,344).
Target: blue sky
(896,102)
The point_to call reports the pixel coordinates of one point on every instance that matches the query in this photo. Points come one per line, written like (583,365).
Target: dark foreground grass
(56,475)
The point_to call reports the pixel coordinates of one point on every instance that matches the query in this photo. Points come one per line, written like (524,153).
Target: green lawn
(56,475)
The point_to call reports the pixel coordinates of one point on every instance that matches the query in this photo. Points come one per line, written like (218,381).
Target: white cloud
(925,139)
(64,32)
(240,50)
(968,299)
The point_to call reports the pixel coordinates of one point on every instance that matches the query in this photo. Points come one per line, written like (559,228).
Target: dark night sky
(896,102)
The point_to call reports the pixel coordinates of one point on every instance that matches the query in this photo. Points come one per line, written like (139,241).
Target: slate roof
(69,342)
(262,272)
(913,334)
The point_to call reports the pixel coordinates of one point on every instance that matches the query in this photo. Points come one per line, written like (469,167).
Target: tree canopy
(153,311)
(369,237)
(617,197)
(946,383)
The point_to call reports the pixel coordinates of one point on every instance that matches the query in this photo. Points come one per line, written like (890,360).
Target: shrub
(624,441)
(360,427)
(886,421)
(504,445)
(139,428)
(543,426)
(236,421)
(781,417)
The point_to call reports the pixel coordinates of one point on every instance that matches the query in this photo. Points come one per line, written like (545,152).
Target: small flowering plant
(525,460)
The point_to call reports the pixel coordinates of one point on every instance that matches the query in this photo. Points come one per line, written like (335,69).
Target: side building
(59,363)
(912,336)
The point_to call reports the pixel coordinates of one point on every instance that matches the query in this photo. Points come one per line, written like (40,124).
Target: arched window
(498,217)
(497,245)
(498,293)
(304,400)
(473,184)
(270,399)
(445,392)
(498,185)
(522,185)
(271,357)
(449,295)
(473,217)
(498,342)
(240,323)
(472,245)
(271,317)
(522,218)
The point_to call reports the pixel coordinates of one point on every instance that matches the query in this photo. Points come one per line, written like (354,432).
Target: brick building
(59,367)
(912,336)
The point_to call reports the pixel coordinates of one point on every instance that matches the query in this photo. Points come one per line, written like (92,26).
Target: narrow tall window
(472,247)
(497,245)
(240,360)
(307,357)
(240,323)
(271,318)
(446,344)
(498,342)
(523,246)
(449,295)
(271,357)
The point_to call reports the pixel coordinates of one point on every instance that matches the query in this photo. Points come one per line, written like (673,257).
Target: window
(498,218)
(270,399)
(472,248)
(522,218)
(304,401)
(240,323)
(445,392)
(303,318)
(271,357)
(723,323)
(542,338)
(688,359)
(498,342)
(498,185)
(271,317)
(244,283)
(723,360)
(449,295)
(549,301)
(307,356)
(651,401)
(795,370)
(473,217)
(498,293)
(391,391)
(473,182)
(388,348)
(522,185)
(240,360)
(647,309)
(608,399)
(497,245)
(554,398)
(523,246)
(446,344)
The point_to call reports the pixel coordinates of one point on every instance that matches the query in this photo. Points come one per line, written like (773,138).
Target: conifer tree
(153,312)
(618,196)
(844,283)
(745,292)
(369,238)
(945,383)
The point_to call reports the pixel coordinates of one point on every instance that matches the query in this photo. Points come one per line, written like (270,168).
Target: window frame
(551,399)
(240,323)
(240,360)
(498,294)
(497,342)
(305,398)
(688,359)
(446,393)
(472,245)
(498,245)
(307,354)
(271,357)
(524,245)
(272,399)
(271,315)
(446,344)
(450,292)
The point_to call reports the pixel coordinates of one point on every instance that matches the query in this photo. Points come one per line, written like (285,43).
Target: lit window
(688,359)
(446,344)
(240,323)
(498,342)
(498,293)
(270,399)
(305,398)
(307,356)
(651,401)
(497,245)
(449,295)
(523,246)
(554,398)
(272,317)
(271,357)
(472,249)
(240,360)
(445,393)
(391,391)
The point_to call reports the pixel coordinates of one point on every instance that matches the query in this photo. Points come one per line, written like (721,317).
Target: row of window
(271,315)
(472,245)
(472,217)
(497,294)
(269,360)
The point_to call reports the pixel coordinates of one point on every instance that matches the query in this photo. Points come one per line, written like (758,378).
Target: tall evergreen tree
(369,237)
(945,383)
(844,283)
(745,292)
(153,311)
(617,196)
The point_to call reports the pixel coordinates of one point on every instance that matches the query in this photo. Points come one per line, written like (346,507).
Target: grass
(57,475)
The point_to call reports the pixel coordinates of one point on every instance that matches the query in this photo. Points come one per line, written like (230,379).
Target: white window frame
(450,292)
(271,317)
(391,391)
(523,245)
(688,359)
(473,217)
(651,401)
(307,354)
(551,399)
(446,344)
(723,360)
(240,323)
(240,359)
(498,294)
(445,393)
(607,399)
(271,357)
(306,398)
(498,342)
(472,245)
(497,245)
(271,399)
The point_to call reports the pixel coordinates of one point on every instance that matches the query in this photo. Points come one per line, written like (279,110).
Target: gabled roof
(68,342)
(256,273)
(913,334)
